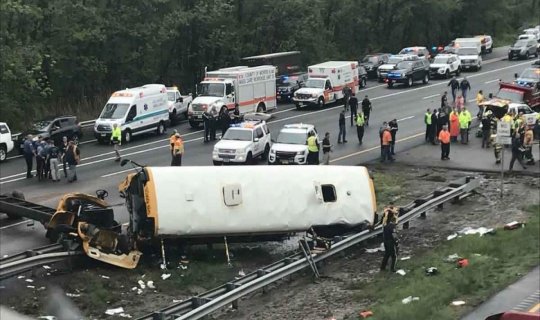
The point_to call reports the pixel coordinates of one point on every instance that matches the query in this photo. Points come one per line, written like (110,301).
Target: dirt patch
(97,288)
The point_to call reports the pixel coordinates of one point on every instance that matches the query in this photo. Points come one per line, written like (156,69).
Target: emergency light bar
(122,94)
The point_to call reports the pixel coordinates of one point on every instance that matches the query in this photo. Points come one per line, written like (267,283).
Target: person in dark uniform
(366,109)
(444,100)
(224,120)
(63,148)
(213,123)
(454,86)
(393,131)
(390,239)
(236,114)
(29,153)
(434,122)
(342,130)
(206,121)
(353,103)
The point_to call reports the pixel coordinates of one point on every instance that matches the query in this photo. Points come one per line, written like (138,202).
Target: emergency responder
(389,209)
(527,144)
(224,120)
(342,129)
(347,91)
(465,119)
(390,239)
(464,86)
(444,100)
(393,126)
(326,148)
(313,149)
(433,131)
(116,140)
(353,103)
(178,151)
(497,149)
(427,121)
(479,100)
(442,120)
(444,139)
(52,157)
(366,109)
(360,126)
(29,153)
(486,129)
(517,152)
(73,158)
(454,125)
(206,121)
(386,141)
(454,87)
(172,138)
(40,159)
(236,114)
(213,122)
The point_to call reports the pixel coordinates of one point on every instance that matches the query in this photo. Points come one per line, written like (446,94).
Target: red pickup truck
(520,94)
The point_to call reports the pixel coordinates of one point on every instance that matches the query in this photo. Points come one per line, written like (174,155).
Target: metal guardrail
(202,305)
(22,265)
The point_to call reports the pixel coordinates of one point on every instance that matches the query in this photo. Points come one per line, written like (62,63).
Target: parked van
(469,43)
(136,111)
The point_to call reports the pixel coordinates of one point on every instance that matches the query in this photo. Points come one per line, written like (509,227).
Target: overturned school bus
(204,204)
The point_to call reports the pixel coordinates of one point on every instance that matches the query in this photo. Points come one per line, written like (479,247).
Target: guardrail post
(406,225)
(260,273)
(231,286)
(436,194)
(158,316)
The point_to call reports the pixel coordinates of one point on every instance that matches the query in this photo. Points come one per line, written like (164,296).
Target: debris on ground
(47,317)
(125,315)
(410,299)
(462,263)
(452,236)
(241,273)
(150,285)
(141,284)
(73,295)
(29,280)
(431,271)
(405,258)
(46,267)
(112,312)
(366,314)
(165,276)
(480,231)
(401,272)
(458,303)
(452,258)
(379,248)
(105,277)
(514,225)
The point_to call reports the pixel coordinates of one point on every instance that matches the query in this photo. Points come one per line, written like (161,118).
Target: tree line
(67,56)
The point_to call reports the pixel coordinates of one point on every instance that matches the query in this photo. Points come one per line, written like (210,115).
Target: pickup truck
(520,94)
(6,142)
(178,103)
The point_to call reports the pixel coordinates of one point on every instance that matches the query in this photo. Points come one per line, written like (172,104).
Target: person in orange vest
(178,151)
(172,139)
(454,125)
(444,138)
(385,146)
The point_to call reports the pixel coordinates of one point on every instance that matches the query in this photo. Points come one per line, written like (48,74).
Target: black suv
(371,63)
(409,71)
(54,128)
(286,86)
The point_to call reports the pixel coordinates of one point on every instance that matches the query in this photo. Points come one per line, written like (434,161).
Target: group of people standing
(48,157)
(222,119)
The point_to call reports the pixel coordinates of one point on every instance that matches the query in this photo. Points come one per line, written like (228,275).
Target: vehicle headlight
(441,70)
(240,150)
(314,95)
(272,151)
(300,153)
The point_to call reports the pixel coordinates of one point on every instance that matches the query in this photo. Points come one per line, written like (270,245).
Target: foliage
(61,56)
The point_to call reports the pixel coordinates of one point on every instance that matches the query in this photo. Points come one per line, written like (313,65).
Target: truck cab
(211,94)
(6,142)
(316,91)
(178,104)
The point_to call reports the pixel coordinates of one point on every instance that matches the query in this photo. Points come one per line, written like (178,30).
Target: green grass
(495,261)
(388,187)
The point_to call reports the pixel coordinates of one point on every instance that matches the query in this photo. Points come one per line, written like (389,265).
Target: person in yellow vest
(172,139)
(360,121)
(464,126)
(427,121)
(178,151)
(313,149)
(116,140)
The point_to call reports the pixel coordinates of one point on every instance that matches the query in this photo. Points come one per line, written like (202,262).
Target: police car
(291,144)
(242,143)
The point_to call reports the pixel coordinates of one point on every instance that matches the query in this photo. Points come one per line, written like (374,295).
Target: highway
(99,171)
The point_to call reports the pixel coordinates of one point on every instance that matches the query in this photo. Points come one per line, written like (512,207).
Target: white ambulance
(136,111)
(326,82)
(253,89)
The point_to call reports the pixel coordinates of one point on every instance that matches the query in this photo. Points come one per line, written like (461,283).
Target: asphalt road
(99,171)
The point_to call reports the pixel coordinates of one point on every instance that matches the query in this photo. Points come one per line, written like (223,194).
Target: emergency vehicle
(253,89)
(135,111)
(242,143)
(326,82)
(178,103)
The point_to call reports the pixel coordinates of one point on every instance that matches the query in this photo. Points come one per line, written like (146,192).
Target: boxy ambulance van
(136,111)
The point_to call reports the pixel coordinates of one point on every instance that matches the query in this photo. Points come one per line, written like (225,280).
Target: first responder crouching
(313,149)
(390,237)
(116,140)
(178,151)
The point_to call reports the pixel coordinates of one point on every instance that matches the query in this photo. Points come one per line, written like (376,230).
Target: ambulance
(253,89)
(326,82)
(136,111)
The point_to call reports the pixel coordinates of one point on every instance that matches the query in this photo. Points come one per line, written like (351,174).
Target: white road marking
(491,81)
(270,122)
(431,96)
(15,224)
(406,118)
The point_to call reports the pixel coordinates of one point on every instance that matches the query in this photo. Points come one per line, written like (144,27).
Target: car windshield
(467,51)
(531,74)
(237,134)
(289,137)
(394,60)
(211,89)
(171,96)
(114,111)
(315,83)
(509,94)
(440,60)
(520,43)
(370,59)
(42,125)
(404,65)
